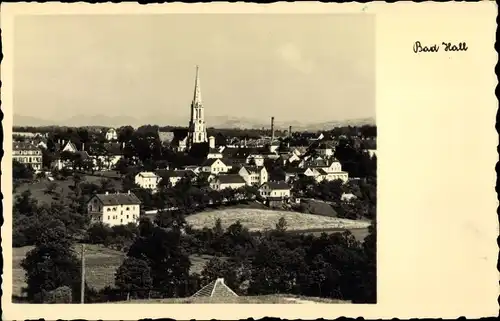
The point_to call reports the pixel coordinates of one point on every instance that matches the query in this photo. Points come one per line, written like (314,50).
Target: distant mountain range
(213,121)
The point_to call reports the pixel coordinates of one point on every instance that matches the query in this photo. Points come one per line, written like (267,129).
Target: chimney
(289,131)
(272,129)
(128,192)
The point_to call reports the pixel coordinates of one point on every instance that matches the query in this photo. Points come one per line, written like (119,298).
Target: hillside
(259,220)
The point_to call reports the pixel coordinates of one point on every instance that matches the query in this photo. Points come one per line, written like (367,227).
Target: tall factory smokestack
(272,129)
(289,131)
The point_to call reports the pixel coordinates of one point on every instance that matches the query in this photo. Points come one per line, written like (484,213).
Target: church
(197,130)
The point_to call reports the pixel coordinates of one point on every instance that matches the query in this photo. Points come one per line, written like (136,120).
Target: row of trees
(335,266)
(364,204)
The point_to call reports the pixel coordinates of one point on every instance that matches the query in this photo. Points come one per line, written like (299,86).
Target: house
(111,135)
(215,289)
(288,158)
(214,153)
(275,191)
(347,197)
(255,159)
(329,172)
(299,151)
(174,176)
(254,175)
(147,180)
(180,139)
(214,166)
(108,158)
(69,147)
(295,173)
(273,147)
(78,158)
(194,168)
(325,149)
(27,154)
(114,208)
(223,181)
(371,152)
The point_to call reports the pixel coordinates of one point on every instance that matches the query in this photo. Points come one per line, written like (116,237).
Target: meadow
(63,187)
(101,264)
(261,220)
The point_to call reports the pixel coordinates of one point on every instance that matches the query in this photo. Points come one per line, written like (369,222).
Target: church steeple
(197,92)
(197,129)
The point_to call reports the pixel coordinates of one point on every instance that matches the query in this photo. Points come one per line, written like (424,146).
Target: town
(164,212)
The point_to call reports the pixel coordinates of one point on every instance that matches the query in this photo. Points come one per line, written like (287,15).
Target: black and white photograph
(194,158)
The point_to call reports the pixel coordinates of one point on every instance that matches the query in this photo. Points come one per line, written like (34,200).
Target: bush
(62,294)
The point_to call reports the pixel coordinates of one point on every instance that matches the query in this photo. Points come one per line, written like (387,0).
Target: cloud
(292,56)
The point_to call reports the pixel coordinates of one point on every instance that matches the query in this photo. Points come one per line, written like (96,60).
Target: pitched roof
(175,173)
(322,171)
(147,174)
(209,162)
(231,179)
(295,170)
(214,151)
(252,169)
(119,199)
(280,185)
(215,288)
(24,146)
(70,144)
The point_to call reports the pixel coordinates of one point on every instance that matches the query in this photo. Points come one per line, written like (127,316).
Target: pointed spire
(197,92)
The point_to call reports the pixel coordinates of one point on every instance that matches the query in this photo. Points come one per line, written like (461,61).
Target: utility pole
(82,299)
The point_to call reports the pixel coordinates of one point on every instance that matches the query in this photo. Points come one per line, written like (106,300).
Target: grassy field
(63,187)
(101,265)
(259,220)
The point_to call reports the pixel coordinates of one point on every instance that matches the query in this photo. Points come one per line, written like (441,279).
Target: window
(127,216)
(109,209)
(127,208)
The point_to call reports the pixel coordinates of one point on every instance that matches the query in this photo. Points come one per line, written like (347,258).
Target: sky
(307,68)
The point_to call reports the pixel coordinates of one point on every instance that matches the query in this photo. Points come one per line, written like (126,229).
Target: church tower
(197,130)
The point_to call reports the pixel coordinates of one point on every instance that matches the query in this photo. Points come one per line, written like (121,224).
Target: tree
(169,263)
(21,171)
(228,269)
(50,188)
(99,233)
(52,263)
(134,277)
(281,226)
(25,204)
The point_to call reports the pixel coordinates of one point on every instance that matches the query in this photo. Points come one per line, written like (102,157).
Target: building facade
(275,190)
(114,209)
(221,182)
(254,175)
(147,180)
(28,154)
